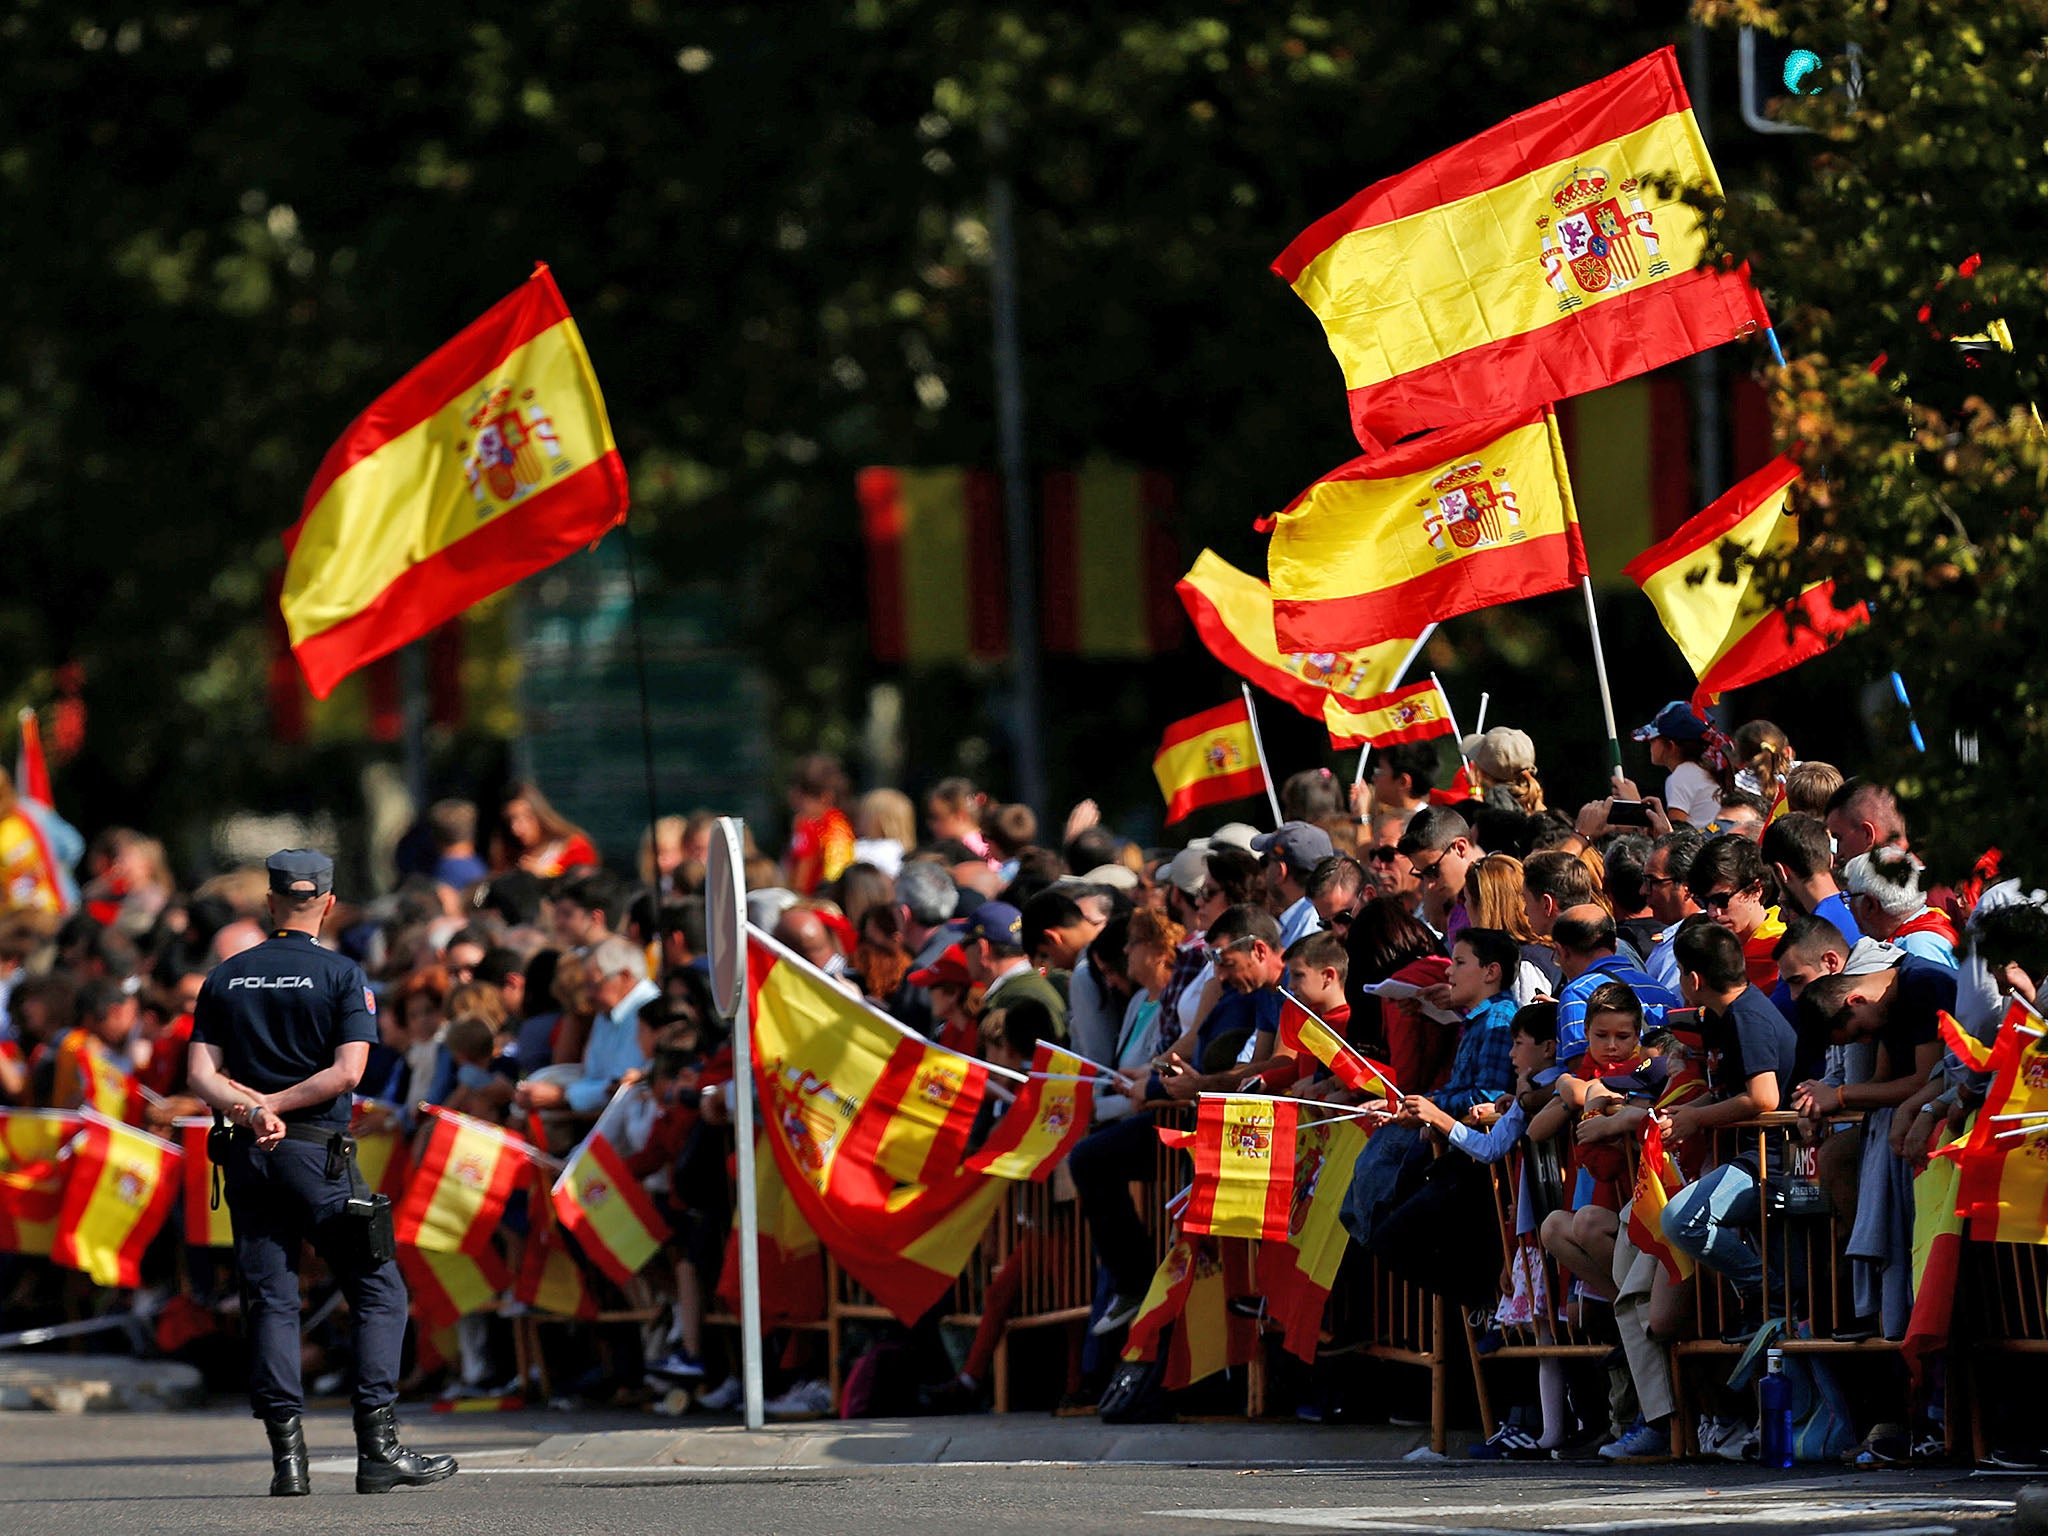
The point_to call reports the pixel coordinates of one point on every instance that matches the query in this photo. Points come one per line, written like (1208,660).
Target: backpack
(1822,1426)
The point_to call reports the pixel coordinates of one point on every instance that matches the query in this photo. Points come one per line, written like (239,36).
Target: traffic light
(1776,68)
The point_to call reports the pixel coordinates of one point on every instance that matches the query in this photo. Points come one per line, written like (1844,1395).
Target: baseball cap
(1235,834)
(949,970)
(303,872)
(1501,753)
(1188,870)
(1676,721)
(1115,876)
(1302,845)
(996,921)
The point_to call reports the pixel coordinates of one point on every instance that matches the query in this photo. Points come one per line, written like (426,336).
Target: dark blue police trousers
(279,1199)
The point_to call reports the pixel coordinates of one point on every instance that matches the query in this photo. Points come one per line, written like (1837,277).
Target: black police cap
(301,872)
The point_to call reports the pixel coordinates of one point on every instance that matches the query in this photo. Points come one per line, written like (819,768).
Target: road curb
(98,1384)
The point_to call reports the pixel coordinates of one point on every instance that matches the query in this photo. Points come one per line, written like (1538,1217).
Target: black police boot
(288,1458)
(382,1464)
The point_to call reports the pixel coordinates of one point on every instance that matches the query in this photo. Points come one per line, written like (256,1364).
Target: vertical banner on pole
(725,921)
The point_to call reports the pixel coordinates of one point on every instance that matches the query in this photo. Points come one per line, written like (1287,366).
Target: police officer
(280,1037)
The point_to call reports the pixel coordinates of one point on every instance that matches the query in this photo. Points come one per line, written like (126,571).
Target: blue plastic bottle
(1774,1396)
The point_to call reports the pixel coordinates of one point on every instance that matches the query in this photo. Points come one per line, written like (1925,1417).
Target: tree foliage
(231,225)
(1915,216)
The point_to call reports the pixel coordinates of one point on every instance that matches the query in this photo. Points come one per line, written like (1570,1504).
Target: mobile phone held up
(1627,813)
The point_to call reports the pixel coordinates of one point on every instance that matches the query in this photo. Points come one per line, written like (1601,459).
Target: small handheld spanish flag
(1415,713)
(1306,1035)
(1243,1148)
(1208,759)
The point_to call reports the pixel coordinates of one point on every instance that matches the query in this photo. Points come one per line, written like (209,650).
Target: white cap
(1115,875)
(1233,834)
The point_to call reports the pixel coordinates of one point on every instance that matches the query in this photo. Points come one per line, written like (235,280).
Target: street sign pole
(725,913)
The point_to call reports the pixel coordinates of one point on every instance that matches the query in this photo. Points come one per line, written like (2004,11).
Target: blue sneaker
(1510,1442)
(680,1365)
(1641,1443)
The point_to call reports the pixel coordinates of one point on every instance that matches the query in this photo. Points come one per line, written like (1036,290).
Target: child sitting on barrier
(1581,1239)
(1444,1219)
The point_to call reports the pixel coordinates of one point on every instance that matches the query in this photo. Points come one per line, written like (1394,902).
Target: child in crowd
(1581,1239)
(480,1090)
(1317,966)
(952,814)
(1436,1237)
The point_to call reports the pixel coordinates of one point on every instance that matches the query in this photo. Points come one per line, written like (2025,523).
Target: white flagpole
(1600,671)
(1479,725)
(1400,672)
(1456,734)
(1259,746)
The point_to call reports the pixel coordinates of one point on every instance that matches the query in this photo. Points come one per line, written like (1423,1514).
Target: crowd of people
(1756,936)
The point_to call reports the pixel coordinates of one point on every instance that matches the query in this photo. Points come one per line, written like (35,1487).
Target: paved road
(143,1474)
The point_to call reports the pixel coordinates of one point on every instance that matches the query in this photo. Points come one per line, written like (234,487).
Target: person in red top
(1317,964)
(537,838)
(1596,1165)
(821,838)
(946,978)
(164,1072)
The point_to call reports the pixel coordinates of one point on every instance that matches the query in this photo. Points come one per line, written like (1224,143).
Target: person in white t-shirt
(1678,739)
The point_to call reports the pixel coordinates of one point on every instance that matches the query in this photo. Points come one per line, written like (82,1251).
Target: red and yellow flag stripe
(446,1287)
(1712,605)
(490,460)
(1049,1116)
(1306,1035)
(1533,261)
(117,1197)
(1459,520)
(1295,1276)
(1415,713)
(455,1201)
(1209,759)
(205,1227)
(1233,613)
(607,1211)
(1243,1148)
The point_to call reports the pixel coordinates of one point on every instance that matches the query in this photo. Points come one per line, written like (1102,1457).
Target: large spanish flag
(821,1058)
(117,1197)
(1415,713)
(1703,582)
(1233,613)
(1531,262)
(1458,520)
(1295,1276)
(1243,1150)
(1208,759)
(489,461)
(1050,1113)
(205,1225)
(456,1200)
(1302,1033)
(792,1264)
(1192,1289)
(607,1211)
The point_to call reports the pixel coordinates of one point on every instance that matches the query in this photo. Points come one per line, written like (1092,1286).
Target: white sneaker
(724,1397)
(805,1400)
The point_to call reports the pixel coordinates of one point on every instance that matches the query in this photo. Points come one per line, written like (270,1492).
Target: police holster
(365,1222)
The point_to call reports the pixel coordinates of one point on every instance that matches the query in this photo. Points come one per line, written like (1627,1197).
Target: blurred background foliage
(229,226)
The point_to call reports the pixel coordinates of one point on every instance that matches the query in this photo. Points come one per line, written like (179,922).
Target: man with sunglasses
(1335,889)
(1728,879)
(1668,898)
(1389,869)
(1439,844)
